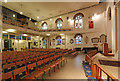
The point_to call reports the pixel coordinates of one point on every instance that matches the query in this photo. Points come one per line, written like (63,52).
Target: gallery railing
(23,23)
(97,71)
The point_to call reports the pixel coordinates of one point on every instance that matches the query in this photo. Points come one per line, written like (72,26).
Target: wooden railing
(23,23)
(97,70)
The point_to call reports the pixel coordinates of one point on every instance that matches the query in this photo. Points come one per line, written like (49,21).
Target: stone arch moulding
(44,23)
(77,15)
(77,35)
(58,19)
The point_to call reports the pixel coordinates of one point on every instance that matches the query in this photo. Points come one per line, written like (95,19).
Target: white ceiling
(46,9)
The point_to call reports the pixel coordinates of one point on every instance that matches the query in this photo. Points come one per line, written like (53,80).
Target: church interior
(60,40)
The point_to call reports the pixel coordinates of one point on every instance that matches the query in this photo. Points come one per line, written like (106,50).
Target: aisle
(72,70)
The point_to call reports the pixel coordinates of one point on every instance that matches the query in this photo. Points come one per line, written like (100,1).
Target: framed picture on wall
(103,38)
(91,24)
(95,40)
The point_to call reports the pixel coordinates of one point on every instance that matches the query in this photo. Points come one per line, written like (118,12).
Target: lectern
(106,50)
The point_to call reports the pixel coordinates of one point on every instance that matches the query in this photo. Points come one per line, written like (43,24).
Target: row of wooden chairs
(27,57)
(32,71)
(11,66)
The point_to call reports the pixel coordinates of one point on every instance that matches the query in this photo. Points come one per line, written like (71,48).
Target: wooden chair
(31,68)
(36,59)
(46,61)
(40,64)
(11,61)
(29,61)
(20,73)
(51,59)
(20,64)
(8,67)
(7,76)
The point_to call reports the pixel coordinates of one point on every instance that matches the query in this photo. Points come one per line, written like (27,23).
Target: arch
(58,20)
(44,23)
(59,23)
(58,40)
(78,39)
(77,35)
(58,37)
(77,15)
(78,21)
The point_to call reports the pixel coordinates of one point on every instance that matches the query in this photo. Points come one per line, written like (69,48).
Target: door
(29,45)
(6,44)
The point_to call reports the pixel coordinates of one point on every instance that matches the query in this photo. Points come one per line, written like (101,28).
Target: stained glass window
(78,39)
(78,22)
(59,24)
(58,41)
(44,27)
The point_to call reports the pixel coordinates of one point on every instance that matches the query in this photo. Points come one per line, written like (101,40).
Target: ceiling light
(61,34)
(30,19)
(11,30)
(13,15)
(37,36)
(4,32)
(48,34)
(60,17)
(35,23)
(95,17)
(21,13)
(25,35)
(38,17)
(69,19)
(42,21)
(50,19)
(5,1)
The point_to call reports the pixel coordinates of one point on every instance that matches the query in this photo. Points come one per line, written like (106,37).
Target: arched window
(44,26)
(78,20)
(59,23)
(58,40)
(78,39)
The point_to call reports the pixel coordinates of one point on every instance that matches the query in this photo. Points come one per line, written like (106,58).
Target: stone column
(118,30)
(118,52)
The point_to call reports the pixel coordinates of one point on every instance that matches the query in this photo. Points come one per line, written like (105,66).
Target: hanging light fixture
(21,9)
(13,15)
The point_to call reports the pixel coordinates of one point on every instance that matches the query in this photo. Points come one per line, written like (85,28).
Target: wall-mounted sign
(86,39)
(12,37)
(24,37)
(90,24)
(5,36)
(18,37)
(28,38)
(71,41)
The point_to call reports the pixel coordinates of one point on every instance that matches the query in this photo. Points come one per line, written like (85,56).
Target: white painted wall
(99,26)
